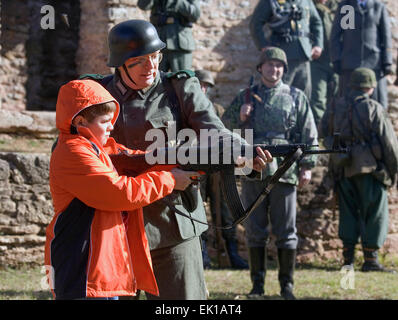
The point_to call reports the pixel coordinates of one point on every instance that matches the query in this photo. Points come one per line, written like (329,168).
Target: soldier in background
(295,27)
(173,21)
(367,45)
(324,79)
(210,189)
(363,176)
(278,114)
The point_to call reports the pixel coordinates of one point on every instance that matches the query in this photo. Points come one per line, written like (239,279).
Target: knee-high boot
(257,264)
(287,261)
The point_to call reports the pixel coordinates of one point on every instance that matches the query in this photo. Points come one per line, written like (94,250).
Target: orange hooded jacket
(96,244)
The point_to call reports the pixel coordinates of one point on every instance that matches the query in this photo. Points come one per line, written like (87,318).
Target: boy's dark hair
(90,113)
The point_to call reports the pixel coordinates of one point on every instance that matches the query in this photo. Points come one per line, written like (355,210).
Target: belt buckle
(170,20)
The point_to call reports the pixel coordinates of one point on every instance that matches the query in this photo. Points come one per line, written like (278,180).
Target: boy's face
(100,126)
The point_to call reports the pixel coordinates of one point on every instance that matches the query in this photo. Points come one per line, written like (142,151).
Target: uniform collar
(125,91)
(264,87)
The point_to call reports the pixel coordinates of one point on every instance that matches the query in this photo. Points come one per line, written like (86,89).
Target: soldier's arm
(261,14)
(145,4)
(188,8)
(198,111)
(306,129)
(316,26)
(382,126)
(385,38)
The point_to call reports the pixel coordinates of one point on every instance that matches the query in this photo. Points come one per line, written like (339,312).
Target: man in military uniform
(278,114)
(367,45)
(173,21)
(364,175)
(210,189)
(324,79)
(150,99)
(295,27)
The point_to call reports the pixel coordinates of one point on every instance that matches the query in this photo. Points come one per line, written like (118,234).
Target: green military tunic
(173,21)
(324,80)
(362,180)
(368,44)
(173,239)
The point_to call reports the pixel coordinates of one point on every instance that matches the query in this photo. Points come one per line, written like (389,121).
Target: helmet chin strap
(128,75)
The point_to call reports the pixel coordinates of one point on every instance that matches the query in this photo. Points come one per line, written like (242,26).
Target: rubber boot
(371,262)
(348,255)
(205,256)
(237,262)
(287,261)
(257,262)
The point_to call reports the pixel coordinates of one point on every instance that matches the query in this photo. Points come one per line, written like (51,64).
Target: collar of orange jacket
(77,95)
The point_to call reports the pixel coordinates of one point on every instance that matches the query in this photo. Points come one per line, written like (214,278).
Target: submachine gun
(223,162)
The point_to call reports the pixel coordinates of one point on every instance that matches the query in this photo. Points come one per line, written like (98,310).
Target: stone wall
(25,207)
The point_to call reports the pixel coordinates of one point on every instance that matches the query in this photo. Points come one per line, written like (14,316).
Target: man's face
(142,70)
(272,72)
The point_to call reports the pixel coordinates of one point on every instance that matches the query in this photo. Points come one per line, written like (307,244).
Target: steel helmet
(273,53)
(132,38)
(363,78)
(205,76)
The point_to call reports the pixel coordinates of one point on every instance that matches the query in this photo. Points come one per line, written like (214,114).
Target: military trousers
(279,208)
(380,93)
(363,207)
(174,60)
(299,76)
(179,271)
(324,87)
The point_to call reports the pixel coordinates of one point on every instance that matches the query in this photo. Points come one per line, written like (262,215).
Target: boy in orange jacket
(96,245)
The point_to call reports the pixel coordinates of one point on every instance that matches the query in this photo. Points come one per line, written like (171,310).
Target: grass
(21,143)
(320,281)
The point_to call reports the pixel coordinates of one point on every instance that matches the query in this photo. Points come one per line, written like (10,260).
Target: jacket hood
(77,95)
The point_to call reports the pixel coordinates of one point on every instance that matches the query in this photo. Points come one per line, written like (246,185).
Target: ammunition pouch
(362,160)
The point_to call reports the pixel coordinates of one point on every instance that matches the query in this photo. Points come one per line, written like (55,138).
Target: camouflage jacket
(182,13)
(281,115)
(362,121)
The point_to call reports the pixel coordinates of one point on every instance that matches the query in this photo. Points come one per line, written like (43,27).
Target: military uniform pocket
(185,39)
(362,160)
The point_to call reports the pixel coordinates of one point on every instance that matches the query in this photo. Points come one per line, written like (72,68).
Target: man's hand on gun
(185,178)
(258,163)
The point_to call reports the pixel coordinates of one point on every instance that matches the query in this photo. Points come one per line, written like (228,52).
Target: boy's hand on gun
(183,178)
